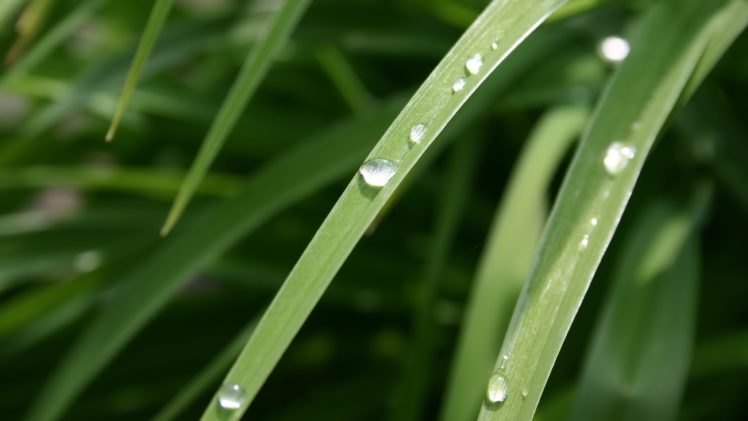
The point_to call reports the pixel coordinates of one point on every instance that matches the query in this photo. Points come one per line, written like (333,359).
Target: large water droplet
(617,157)
(498,388)
(377,172)
(474,63)
(458,85)
(614,49)
(416,133)
(231,397)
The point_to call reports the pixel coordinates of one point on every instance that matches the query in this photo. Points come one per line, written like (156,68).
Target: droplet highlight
(377,172)
(617,157)
(459,85)
(231,397)
(416,133)
(498,389)
(585,242)
(614,49)
(593,222)
(474,63)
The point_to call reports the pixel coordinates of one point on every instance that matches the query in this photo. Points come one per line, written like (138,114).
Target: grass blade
(639,354)
(8,8)
(433,105)
(159,13)
(28,26)
(670,41)
(254,69)
(506,259)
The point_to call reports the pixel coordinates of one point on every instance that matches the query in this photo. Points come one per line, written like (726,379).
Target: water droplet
(617,157)
(458,85)
(416,133)
(498,388)
(593,221)
(585,242)
(614,49)
(503,362)
(377,172)
(231,396)
(495,45)
(474,63)
(525,392)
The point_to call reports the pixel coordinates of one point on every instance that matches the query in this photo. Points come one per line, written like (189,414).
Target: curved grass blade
(148,287)
(51,40)
(206,378)
(253,70)
(670,41)
(638,359)
(411,392)
(507,258)
(159,13)
(506,23)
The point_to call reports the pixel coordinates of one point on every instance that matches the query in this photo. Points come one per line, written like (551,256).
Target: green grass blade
(157,279)
(413,388)
(51,40)
(506,259)
(159,13)
(254,69)
(344,76)
(206,378)
(7,9)
(639,355)
(668,45)
(504,22)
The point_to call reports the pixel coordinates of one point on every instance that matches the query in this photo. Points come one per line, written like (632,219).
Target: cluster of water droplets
(377,172)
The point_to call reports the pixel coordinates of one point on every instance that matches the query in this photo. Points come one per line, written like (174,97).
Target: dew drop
(474,63)
(525,392)
(503,362)
(614,49)
(498,388)
(416,133)
(495,45)
(458,85)
(231,397)
(377,172)
(585,242)
(617,157)
(593,221)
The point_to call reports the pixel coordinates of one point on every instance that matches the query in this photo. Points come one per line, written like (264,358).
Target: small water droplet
(585,242)
(617,157)
(377,172)
(458,85)
(593,221)
(231,397)
(474,63)
(498,388)
(416,133)
(495,45)
(525,392)
(503,362)
(614,49)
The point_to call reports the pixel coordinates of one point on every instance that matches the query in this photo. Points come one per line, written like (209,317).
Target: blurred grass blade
(28,26)
(252,72)
(344,77)
(506,259)
(665,51)
(434,104)
(639,355)
(206,378)
(8,8)
(51,40)
(159,13)
(413,388)
(149,285)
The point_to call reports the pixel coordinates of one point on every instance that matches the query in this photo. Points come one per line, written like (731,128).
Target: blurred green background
(79,216)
